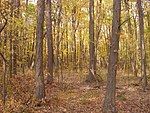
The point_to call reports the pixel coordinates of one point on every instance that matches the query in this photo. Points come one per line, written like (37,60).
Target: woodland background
(55,56)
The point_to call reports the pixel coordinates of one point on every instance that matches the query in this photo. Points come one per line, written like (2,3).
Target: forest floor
(74,95)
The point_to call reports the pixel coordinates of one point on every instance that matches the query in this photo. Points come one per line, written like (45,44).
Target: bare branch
(3,57)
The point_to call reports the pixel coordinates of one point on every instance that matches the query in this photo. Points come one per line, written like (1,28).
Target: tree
(74,38)
(4,91)
(142,45)
(16,10)
(40,88)
(10,42)
(131,42)
(4,69)
(92,66)
(49,41)
(109,102)
(58,34)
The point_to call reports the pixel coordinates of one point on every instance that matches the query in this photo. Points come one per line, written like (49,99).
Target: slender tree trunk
(142,45)
(10,42)
(4,69)
(58,35)
(31,60)
(49,42)
(131,42)
(137,45)
(92,67)
(40,89)
(98,27)
(109,102)
(67,44)
(74,38)
(16,36)
(81,52)
(148,15)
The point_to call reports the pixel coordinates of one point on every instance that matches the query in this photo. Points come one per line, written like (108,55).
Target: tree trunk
(4,69)
(81,51)
(92,67)
(58,35)
(67,41)
(109,102)
(142,45)
(40,89)
(49,42)
(16,36)
(98,26)
(137,44)
(10,43)
(74,38)
(131,42)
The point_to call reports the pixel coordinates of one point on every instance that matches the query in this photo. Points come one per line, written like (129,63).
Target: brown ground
(74,95)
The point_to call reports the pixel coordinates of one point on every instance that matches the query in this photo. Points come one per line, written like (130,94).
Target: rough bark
(49,42)
(142,45)
(109,102)
(40,89)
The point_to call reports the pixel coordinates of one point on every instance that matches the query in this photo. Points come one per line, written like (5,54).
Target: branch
(125,21)
(3,57)
(1,29)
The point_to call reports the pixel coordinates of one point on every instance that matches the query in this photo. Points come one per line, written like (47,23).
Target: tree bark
(142,45)
(131,42)
(109,102)
(58,35)
(74,38)
(40,89)
(4,69)
(16,4)
(49,42)
(92,66)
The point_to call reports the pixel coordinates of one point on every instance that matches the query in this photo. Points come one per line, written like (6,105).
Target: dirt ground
(73,95)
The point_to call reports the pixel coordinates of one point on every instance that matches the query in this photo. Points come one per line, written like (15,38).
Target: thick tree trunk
(49,42)
(109,102)
(40,89)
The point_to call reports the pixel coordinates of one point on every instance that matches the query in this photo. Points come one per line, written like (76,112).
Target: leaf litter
(71,96)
